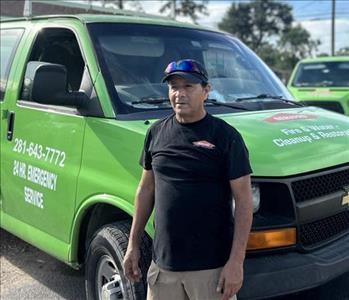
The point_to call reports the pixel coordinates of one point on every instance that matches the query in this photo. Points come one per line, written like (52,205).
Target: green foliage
(293,45)
(254,22)
(297,42)
(266,27)
(188,8)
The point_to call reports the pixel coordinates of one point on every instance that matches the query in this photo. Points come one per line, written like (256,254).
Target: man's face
(187,99)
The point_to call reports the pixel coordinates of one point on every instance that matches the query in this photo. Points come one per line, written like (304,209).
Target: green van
(322,82)
(77,95)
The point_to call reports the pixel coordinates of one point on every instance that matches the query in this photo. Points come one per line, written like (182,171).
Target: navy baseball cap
(189,69)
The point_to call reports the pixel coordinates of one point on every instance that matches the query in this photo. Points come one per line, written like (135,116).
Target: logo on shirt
(204,144)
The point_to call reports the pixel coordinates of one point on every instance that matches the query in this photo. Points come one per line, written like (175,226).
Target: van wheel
(104,276)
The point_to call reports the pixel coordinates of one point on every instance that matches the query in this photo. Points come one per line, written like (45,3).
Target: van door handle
(10,124)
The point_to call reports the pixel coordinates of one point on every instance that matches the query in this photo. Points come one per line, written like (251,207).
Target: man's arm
(144,203)
(232,274)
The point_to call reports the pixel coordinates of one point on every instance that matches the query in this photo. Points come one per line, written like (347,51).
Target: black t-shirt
(192,165)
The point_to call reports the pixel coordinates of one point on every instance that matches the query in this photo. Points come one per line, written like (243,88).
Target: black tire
(106,253)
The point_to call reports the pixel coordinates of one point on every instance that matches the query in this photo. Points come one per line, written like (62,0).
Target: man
(193,163)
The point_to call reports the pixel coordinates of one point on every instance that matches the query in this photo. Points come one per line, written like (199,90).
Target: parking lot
(28,273)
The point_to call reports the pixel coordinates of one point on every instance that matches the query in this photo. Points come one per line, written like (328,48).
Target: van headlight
(256,199)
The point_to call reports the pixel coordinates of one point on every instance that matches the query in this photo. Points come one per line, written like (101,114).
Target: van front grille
(320,231)
(318,186)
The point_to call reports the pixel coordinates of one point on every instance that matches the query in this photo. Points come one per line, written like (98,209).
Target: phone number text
(34,150)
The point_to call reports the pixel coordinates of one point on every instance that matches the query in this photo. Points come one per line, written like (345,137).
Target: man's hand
(230,280)
(144,203)
(130,264)
(231,277)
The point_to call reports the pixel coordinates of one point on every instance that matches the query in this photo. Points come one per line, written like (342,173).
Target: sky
(313,15)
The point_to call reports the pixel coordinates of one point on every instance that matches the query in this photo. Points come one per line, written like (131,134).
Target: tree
(266,26)
(185,8)
(255,22)
(297,42)
(294,45)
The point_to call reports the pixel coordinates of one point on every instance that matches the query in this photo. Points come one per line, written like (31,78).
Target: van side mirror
(46,83)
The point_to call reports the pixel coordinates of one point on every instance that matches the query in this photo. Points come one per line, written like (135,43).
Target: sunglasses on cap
(189,66)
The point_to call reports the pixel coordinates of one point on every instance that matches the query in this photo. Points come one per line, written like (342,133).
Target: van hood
(293,141)
(320,93)
(280,142)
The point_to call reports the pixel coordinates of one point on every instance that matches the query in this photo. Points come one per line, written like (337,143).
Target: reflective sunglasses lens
(172,66)
(187,66)
(184,65)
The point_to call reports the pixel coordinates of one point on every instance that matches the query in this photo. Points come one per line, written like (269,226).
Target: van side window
(59,46)
(9,39)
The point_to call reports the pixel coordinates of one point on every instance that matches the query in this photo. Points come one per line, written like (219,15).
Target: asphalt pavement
(28,273)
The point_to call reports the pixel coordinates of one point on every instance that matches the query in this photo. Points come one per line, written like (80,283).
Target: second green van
(322,82)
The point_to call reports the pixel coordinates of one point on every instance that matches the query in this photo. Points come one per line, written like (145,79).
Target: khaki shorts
(190,285)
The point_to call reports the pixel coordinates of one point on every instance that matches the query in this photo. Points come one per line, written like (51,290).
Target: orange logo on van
(283,117)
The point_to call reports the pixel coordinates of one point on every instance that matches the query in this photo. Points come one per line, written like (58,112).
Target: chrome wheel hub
(109,284)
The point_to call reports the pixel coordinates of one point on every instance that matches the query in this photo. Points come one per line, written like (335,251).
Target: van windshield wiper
(152,100)
(231,105)
(267,96)
(159,100)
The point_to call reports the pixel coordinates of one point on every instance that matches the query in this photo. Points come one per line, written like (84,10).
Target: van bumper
(281,274)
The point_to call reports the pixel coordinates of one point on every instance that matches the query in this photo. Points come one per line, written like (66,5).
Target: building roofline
(81,17)
(87,7)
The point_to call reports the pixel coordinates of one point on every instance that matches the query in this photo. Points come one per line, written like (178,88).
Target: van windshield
(327,74)
(133,58)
